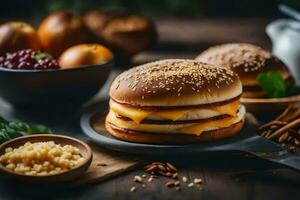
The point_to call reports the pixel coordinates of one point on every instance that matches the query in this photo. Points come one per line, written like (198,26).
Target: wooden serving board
(107,164)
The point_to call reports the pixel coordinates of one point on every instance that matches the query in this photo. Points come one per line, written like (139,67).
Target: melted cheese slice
(229,109)
(199,128)
(138,115)
(171,114)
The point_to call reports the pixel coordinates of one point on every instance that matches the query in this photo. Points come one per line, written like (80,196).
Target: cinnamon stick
(285,112)
(283,137)
(267,125)
(284,129)
(294,115)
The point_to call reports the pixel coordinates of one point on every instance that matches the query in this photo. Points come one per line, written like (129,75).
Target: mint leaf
(10,129)
(272,84)
(42,56)
(39,129)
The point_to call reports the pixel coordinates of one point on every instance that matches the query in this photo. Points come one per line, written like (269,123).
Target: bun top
(246,60)
(175,82)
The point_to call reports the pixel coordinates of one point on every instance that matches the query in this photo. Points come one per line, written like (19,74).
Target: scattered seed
(197,180)
(184,179)
(191,185)
(144,176)
(133,189)
(154,176)
(150,179)
(170,184)
(137,179)
(177,183)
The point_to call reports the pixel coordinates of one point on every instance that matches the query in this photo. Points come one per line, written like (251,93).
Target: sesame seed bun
(247,61)
(175,82)
(154,138)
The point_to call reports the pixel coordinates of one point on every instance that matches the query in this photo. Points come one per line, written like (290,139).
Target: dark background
(29,9)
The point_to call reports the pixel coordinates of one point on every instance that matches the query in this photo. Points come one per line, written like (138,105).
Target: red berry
(26,59)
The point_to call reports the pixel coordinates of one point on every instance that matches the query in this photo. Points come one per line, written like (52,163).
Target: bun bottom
(154,138)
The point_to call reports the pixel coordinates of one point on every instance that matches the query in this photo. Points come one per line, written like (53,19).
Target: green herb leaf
(272,84)
(19,126)
(42,55)
(40,129)
(15,128)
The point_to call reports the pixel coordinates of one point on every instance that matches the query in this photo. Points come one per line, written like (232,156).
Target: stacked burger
(175,101)
(248,61)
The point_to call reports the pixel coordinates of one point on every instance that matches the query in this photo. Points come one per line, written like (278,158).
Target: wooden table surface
(225,176)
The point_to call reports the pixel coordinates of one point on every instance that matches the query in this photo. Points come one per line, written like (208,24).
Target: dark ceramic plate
(92,124)
(49,88)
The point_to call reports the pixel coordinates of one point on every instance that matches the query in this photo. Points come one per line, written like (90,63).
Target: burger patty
(150,121)
(129,131)
(158,108)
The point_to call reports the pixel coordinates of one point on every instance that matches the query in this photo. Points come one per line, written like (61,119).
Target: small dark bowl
(51,88)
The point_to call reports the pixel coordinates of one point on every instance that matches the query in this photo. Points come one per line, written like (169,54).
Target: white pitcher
(285,36)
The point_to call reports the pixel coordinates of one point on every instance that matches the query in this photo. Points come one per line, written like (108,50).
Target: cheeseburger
(175,101)
(247,61)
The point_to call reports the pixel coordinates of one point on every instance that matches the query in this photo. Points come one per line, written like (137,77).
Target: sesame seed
(176,76)
(237,55)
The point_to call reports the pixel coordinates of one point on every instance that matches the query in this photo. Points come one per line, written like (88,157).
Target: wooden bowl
(263,105)
(72,174)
